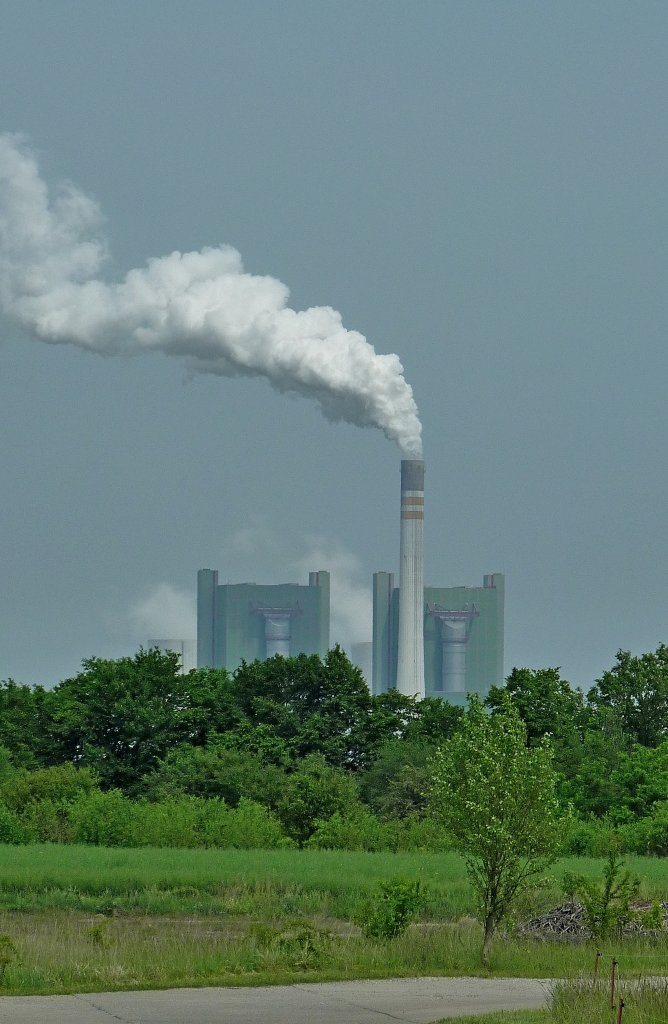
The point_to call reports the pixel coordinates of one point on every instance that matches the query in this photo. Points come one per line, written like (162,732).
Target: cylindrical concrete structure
(277,634)
(410,654)
(455,635)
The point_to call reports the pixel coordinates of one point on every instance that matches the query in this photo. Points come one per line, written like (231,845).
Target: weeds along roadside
(582,1002)
(65,951)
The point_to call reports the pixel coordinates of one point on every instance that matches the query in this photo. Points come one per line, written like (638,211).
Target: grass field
(89,918)
(585,1003)
(269,882)
(505,1017)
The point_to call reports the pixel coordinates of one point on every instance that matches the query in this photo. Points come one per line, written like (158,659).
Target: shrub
(391,912)
(48,821)
(249,826)
(313,792)
(60,783)
(591,838)
(11,829)
(423,833)
(648,835)
(172,822)
(606,904)
(357,829)
(103,819)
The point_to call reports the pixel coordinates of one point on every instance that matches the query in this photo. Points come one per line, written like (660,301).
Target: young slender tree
(497,797)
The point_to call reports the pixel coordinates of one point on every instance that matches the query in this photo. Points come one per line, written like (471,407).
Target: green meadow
(78,918)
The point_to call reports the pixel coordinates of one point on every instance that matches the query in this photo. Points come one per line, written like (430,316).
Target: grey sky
(477,187)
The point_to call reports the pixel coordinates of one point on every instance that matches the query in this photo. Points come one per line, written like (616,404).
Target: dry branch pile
(568,922)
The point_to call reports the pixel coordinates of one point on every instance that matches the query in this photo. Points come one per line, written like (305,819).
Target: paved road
(411,1000)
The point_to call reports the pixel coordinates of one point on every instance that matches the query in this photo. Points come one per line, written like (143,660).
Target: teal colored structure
(247,621)
(463,637)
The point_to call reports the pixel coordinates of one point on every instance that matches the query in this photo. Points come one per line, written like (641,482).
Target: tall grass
(646,1002)
(505,1017)
(69,952)
(578,1002)
(251,881)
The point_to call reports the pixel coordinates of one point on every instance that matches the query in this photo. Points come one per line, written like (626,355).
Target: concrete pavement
(410,1000)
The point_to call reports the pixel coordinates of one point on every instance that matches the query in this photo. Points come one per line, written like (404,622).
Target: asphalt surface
(411,1000)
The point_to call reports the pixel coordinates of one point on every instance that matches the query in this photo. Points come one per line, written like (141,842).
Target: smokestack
(410,660)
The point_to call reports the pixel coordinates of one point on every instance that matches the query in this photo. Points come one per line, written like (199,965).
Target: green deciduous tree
(396,783)
(497,797)
(313,791)
(215,771)
(640,778)
(25,724)
(121,717)
(636,689)
(546,703)
(313,706)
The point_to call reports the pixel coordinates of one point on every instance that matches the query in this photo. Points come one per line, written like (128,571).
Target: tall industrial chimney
(410,657)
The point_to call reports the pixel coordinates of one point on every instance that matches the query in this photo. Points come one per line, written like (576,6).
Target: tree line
(297,751)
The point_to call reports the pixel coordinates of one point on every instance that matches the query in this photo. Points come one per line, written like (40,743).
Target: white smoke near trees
(350,601)
(164,611)
(201,307)
(350,593)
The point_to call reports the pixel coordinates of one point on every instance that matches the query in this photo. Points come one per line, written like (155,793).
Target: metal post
(596,960)
(612,984)
(620,1011)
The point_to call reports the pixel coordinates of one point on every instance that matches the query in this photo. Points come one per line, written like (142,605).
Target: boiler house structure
(463,637)
(247,621)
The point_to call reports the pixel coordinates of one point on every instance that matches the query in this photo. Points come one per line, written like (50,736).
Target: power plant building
(184,648)
(251,621)
(463,637)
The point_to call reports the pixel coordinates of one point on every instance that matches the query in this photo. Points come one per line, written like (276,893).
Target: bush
(61,783)
(357,829)
(314,792)
(11,829)
(391,912)
(423,833)
(606,904)
(103,819)
(215,772)
(591,838)
(247,827)
(173,822)
(48,821)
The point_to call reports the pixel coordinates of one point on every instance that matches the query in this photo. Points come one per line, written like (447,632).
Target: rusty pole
(612,984)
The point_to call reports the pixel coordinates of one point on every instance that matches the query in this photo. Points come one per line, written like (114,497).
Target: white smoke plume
(164,611)
(256,543)
(201,307)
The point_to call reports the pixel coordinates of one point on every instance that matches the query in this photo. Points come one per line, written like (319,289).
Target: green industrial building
(463,637)
(247,621)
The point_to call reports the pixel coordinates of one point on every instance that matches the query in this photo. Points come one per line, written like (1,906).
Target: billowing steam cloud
(199,306)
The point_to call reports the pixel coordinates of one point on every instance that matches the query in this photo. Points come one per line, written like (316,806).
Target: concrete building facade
(463,637)
(247,621)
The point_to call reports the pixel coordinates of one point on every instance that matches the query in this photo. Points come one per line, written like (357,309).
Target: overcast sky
(477,187)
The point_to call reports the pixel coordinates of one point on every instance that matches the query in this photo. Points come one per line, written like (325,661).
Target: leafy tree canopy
(636,689)
(546,703)
(121,717)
